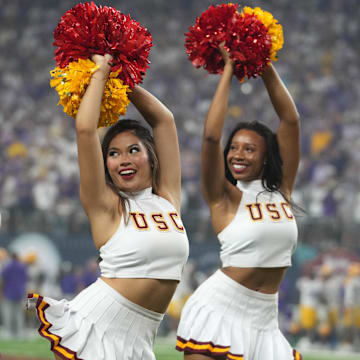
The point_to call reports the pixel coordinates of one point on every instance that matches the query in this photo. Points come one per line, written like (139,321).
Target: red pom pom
(203,39)
(87,29)
(249,45)
(245,36)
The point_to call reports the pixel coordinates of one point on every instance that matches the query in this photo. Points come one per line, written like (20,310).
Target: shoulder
(167,198)
(224,210)
(230,199)
(107,205)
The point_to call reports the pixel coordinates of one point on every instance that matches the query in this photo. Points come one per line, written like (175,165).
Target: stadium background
(40,211)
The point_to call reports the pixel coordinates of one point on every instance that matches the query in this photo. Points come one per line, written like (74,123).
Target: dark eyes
(134,150)
(113,153)
(248,149)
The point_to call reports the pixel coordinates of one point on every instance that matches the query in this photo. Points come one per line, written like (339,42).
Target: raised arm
(213,170)
(289,128)
(94,193)
(160,118)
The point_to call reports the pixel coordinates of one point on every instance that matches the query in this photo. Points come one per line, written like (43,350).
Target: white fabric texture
(226,315)
(97,324)
(151,244)
(263,232)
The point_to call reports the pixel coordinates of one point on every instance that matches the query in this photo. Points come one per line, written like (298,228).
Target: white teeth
(236,166)
(127,172)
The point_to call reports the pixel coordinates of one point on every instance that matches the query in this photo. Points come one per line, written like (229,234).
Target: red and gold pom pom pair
(87,29)
(252,37)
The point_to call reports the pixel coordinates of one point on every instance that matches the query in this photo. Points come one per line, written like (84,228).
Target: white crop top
(263,232)
(153,243)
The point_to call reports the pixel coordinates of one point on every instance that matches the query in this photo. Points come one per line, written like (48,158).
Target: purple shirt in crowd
(89,277)
(14,277)
(69,284)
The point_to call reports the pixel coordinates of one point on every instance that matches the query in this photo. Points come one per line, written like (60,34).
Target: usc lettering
(160,222)
(173,217)
(255,211)
(275,211)
(141,222)
(286,208)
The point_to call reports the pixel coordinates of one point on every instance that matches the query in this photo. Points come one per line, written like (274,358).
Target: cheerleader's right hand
(225,54)
(104,63)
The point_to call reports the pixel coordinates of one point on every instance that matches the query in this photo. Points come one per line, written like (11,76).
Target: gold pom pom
(275,30)
(71,83)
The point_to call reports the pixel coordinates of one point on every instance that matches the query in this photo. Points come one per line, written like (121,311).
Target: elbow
(156,119)
(211,138)
(83,126)
(170,116)
(296,117)
(292,119)
(83,132)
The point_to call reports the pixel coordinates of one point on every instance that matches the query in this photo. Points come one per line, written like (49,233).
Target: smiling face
(246,156)
(128,162)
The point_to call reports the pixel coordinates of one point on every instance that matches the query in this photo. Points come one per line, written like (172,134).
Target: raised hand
(104,63)
(225,54)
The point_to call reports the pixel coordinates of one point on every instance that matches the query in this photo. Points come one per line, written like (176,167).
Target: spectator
(69,282)
(14,277)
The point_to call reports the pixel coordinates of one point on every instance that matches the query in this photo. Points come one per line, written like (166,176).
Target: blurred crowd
(39,172)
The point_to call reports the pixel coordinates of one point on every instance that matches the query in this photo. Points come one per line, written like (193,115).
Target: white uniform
(332,296)
(224,318)
(152,244)
(310,298)
(352,303)
(101,324)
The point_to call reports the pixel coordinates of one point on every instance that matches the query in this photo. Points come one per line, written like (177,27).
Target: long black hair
(146,138)
(272,171)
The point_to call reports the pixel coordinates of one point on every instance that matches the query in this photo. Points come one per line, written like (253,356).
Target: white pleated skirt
(97,324)
(227,320)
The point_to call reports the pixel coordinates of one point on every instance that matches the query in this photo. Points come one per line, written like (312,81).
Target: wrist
(101,72)
(100,76)
(229,68)
(268,71)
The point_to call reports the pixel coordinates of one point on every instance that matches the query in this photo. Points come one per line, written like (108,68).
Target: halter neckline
(254,185)
(137,195)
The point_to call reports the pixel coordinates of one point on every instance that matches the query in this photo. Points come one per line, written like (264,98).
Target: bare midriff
(152,294)
(264,280)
